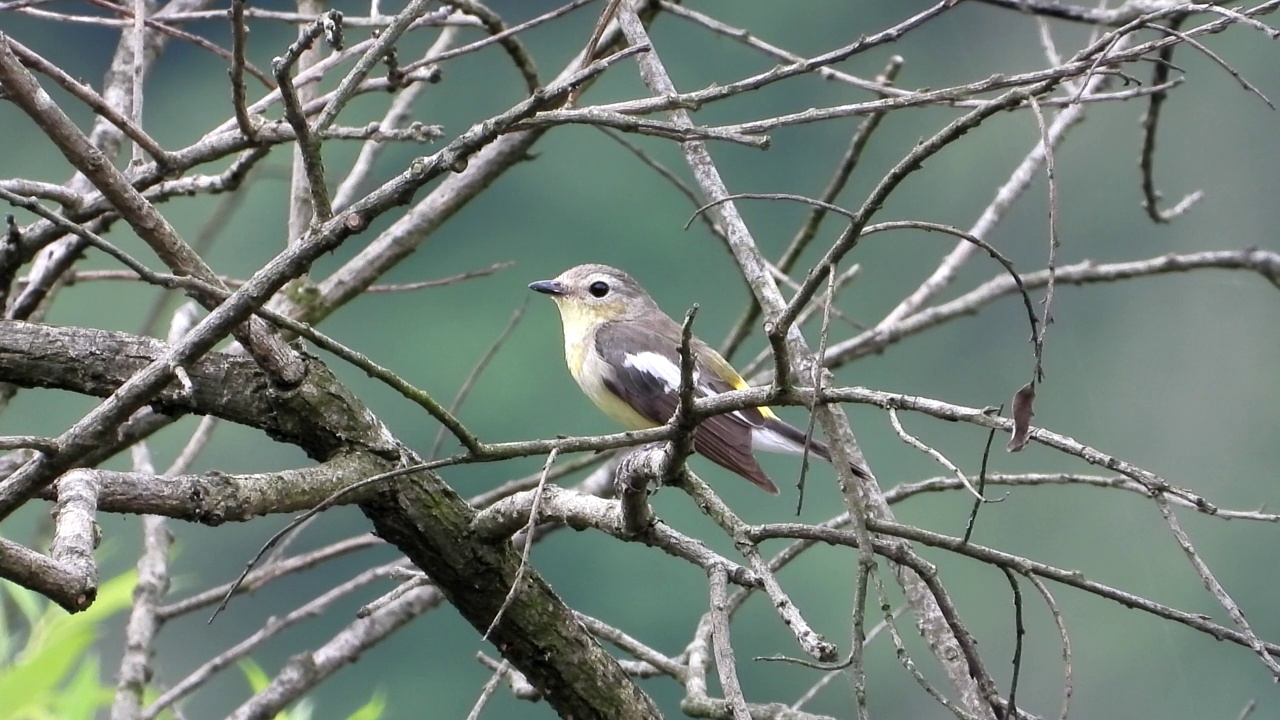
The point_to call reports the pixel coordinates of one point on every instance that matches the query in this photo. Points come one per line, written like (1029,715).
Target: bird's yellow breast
(590,371)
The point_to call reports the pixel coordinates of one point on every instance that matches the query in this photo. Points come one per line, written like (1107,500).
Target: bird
(624,353)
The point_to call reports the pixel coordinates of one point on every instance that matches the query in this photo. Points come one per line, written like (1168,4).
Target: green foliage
(302,710)
(55,675)
(371,710)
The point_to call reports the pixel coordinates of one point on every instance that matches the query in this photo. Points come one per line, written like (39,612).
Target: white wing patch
(770,441)
(661,367)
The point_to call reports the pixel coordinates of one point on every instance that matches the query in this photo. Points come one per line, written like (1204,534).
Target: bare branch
(383,44)
(1215,588)
(144,621)
(475,552)
(86,94)
(941,459)
(811,641)
(528,543)
(308,148)
(1263,262)
(302,673)
(726,668)
(72,591)
(1070,578)
(141,215)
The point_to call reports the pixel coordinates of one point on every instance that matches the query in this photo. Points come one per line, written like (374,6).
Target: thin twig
(683,420)
(262,576)
(978,502)
(832,674)
(938,457)
(908,663)
(308,145)
(159,23)
(144,624)
(1017,183)
(400,111)
(488,690)
(816,382)
(273,627)
(1068,684)
(130,126)
(813,221)
(634,647)
(1019,632)
(239,39)
(901,492)
(1263,262)
(383,43)
(444,281)
(137,81)
(1244,83)
(1071,578)
(476,371)
(1214,587)
(528,545)
(811,641)
(1037,374)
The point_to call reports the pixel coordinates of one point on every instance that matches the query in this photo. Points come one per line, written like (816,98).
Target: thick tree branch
(98,362)
(71,590)
(258,338)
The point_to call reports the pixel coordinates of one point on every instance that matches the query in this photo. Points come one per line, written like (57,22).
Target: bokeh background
(1178,374)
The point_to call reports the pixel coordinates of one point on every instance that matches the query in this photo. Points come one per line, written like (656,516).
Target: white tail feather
(770,441)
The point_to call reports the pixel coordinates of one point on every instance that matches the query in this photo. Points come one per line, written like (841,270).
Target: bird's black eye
(598,288)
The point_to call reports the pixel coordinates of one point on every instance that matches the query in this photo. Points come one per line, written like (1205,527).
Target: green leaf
(253,672)
(373,709)
(42,668)
(81,697)
(113,596)
(29,605)
(53,661)
(302,710)
(28,602)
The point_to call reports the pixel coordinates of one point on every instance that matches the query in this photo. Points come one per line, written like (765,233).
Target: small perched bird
(624,353)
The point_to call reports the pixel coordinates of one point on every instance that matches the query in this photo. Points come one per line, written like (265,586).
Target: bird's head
(588,295)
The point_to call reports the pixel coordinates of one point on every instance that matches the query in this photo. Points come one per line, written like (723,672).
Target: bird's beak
(548,287)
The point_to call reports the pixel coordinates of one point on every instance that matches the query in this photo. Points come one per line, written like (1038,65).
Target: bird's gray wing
(644,367)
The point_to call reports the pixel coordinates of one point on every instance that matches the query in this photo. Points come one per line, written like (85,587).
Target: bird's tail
(778,436)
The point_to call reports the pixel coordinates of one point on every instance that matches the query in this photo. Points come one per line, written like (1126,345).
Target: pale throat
(577,332)
(589,371)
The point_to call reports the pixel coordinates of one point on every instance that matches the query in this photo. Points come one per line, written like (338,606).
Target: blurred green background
(1177,374)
